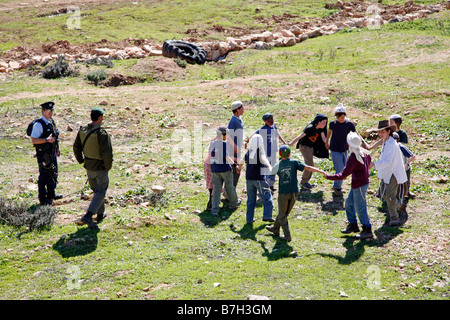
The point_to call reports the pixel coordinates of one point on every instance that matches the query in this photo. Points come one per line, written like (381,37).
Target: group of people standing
(349,154)
(263,160)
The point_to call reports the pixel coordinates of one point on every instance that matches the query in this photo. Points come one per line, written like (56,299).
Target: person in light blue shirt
(270,135)
(236,131)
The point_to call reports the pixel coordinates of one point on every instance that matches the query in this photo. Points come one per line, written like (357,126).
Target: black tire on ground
(187,51)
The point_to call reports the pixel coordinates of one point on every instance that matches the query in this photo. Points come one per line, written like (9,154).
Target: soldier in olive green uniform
(93,147)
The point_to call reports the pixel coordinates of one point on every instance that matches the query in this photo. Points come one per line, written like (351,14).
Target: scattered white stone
(158,189)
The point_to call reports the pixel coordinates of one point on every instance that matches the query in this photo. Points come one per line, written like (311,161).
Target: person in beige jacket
(391,171)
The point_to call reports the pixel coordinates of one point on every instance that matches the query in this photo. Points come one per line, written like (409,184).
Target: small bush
(140,195)
(21,214)
(59,69)
(181,63)
(100,61)
(96,76)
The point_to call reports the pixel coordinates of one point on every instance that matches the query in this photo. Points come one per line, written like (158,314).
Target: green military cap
(97,110)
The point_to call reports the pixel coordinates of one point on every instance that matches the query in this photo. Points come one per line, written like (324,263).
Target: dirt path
(205,84)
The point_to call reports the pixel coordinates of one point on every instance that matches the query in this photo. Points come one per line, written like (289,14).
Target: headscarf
(354,146)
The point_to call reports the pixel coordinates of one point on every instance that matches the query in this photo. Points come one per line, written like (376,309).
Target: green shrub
(57,70)
(96,76)
(181,63)
(100,61)
(21,214)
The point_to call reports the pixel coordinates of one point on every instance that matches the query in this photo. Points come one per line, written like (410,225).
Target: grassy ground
(179,251)
(154,20)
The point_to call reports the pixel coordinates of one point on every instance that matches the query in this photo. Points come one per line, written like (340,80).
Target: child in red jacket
(358,166)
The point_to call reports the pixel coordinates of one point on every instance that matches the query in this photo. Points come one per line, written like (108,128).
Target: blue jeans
(339,161)
(356,204)
(270,180)
(253,188)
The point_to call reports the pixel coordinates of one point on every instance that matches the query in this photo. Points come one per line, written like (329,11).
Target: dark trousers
(47,184)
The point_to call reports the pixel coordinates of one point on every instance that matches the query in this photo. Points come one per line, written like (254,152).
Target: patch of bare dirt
(159,68)
(118,79)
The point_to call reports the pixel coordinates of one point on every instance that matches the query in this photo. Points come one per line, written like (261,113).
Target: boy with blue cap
(270,135)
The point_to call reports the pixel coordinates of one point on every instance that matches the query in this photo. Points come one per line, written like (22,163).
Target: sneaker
(365,234)
(272,229)
(99,219)
(269,220)
(337,191)
(91,224)
(236,206)
(306,185)
(58,196)
(351,227)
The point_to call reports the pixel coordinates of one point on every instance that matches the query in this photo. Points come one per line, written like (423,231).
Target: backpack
(31,124)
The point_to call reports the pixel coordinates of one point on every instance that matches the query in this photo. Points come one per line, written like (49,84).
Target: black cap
(48,105)
(223,130)
(266,116)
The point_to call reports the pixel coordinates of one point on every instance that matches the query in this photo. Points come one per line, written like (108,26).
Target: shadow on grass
(280,250)
(356,248)
(80,243)
(210,220)
(317,197)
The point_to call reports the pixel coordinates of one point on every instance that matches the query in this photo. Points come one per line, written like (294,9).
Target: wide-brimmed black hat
(384,124)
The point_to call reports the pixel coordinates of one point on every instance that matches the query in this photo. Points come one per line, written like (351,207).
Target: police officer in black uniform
(44,137)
